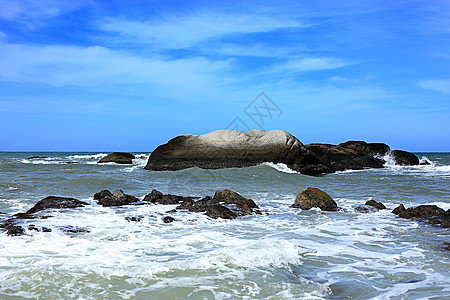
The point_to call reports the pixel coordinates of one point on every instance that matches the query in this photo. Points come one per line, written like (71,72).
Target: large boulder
(404,158)
(56,202)
(118,158)
(235,149)
(314,197)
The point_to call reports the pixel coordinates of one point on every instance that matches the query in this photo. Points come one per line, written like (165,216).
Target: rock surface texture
(118,158)
(431,213)
(314,197)
(119,198)
(235,149)
(56,202)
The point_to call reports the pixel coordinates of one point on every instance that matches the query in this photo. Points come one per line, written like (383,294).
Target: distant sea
(284,253)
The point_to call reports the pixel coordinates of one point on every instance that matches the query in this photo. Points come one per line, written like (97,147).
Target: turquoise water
(283,254)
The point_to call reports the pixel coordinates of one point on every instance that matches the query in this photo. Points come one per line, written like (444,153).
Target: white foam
(280,167)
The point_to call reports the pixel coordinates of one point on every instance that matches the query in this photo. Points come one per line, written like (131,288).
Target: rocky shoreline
(224,204)
(235,149)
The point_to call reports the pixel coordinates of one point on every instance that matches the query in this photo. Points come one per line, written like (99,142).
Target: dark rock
(75,229)
(168,199)
(24,216)
(421,212)
(313,197)
(36,157)
(431,213)
(168,219)
(56,202)
(376,204)
(399,210)
(232,201)
(154,196)
(46,229)
(351,155)
(219,211)
(404,158)
(447,246)
(365,209)
(133,219)
(235,149)
(119,198)
(102,194)
(15,230)
(33,227)
(186,204)
(118,158)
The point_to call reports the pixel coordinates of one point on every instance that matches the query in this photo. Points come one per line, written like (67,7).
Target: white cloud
(183,31)
(32,9)
(102,67)
(311,64)
(436,85)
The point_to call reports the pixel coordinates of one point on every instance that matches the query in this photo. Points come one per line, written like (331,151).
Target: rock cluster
(431,214)
(235,149)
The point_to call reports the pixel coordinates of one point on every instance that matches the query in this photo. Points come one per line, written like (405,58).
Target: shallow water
(283,254)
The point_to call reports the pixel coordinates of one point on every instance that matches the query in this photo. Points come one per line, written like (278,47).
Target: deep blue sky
(129,75)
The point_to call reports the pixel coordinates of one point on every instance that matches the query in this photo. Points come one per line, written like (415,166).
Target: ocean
(285,253)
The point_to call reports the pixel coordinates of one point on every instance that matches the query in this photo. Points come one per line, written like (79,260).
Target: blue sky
(129,75)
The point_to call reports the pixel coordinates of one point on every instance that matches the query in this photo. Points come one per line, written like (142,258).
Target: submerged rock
(235,149)
(314,197)
(56,202)
(15,230)
(118,158)
(366,209)
(119,198)
(168,219)
(376,204)
(37,157)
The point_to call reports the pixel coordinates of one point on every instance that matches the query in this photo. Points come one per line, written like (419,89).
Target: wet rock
(102,194)
(33,227)
(56,202)
(433,214)
(118,158)
(219,211)
(168,199)
(231,201)
(365,209)
(404,158)
(25,216)
(235,149)
(75,229)
(15,230)
(46,229)
(186,204)
(376,204)
(119,198)
(133,219)
(421,212)
(447,246)
(314,197)
(168,219)
(399,209)
(37,157)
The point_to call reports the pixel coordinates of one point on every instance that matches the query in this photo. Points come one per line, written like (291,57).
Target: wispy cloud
(102,67)
(311,64)
(26,9)
(436,85)
(183,31)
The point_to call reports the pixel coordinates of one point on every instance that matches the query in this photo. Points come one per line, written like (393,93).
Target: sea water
(285,253)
